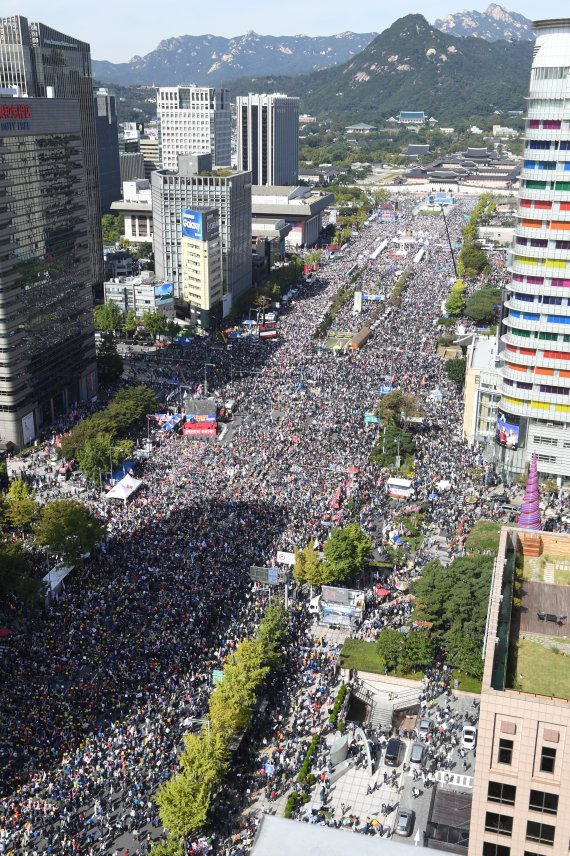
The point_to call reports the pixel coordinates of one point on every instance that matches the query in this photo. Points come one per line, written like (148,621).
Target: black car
(393,752)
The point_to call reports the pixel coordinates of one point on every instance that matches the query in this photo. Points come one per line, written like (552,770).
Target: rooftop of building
(527,640)
(484,352)
(277,836)
(552,22)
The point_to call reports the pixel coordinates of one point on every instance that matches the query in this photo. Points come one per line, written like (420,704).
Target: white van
(314,605)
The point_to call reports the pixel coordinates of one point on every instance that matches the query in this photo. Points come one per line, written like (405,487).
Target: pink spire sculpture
(530,509)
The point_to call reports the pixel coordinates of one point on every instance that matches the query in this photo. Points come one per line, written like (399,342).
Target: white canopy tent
(124,489)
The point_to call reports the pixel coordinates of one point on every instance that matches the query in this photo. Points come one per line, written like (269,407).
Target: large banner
(507,430)
(28,428)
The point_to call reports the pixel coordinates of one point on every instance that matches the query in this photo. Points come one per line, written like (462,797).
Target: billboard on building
(507,430)
(200,225)
(164,293)
(28,428)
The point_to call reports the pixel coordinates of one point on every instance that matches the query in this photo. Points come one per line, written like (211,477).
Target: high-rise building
(534,410)
(521,791)
(46,310)
(193,119)
(202,286)
(107,148)
(195,185)
(268,138)
(131,166)
(44,63)
(150,150)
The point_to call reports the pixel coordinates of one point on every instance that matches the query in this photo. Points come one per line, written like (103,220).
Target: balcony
(535,395)
(538,326)
(541,270)
(546,290)
(547,195)
(549,252)
(540,345)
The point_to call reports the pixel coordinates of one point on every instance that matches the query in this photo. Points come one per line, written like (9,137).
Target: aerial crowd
(98,691)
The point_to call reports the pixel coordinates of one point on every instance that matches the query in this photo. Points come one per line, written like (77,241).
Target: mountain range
(412,66)
(494,24)
(211,60)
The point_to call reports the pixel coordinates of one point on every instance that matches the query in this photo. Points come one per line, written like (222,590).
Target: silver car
(404,822)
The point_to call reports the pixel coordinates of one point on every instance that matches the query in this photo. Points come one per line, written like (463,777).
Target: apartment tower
(534,409)
(268,138)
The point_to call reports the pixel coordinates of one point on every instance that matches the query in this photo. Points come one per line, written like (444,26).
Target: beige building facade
(202,284)
(521,796)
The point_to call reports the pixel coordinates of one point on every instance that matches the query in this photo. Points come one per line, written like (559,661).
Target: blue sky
(118,30)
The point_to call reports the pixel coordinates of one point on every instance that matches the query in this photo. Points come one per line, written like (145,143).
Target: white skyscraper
(194,120)
(268,138)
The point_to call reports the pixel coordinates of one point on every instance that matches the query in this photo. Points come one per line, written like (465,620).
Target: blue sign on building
(192,224)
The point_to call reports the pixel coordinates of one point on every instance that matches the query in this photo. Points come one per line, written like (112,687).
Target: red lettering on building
(15,111)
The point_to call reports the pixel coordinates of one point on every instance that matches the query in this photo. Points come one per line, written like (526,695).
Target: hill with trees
(411,66)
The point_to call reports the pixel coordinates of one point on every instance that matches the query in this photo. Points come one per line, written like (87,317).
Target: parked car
(417,754)
(469,737)
(425,727)
(393,752)
(404,821)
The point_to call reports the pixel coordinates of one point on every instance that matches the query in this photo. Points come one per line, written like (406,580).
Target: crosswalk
(457,780)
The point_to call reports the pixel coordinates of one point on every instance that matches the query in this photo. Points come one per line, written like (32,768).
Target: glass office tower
(44,63)
(47,348)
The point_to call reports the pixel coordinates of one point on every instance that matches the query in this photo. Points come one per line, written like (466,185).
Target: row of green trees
(102,440)
(472,259)
(108,318)
(397,291)
(455,303)
(343,559)
(184,800)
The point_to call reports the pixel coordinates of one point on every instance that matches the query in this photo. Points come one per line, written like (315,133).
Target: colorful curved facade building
(534,411)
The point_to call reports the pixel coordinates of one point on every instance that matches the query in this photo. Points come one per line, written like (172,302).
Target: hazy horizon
(118,32)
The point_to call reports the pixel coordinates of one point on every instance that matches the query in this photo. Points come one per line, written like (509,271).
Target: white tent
(124,489)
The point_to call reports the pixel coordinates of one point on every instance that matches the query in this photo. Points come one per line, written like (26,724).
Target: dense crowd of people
(98,691)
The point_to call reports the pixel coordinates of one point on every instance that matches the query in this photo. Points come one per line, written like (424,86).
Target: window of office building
(505,755)
(547,759)
(499,823)
(501,793)
(541,832)
(491,849)
(542,801)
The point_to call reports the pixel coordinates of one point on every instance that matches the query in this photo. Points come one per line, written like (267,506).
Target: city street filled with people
(98,691)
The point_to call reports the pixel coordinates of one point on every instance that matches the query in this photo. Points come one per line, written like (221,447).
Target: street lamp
(212,365)
(449,240)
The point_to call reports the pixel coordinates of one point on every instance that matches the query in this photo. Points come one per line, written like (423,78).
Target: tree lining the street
(126,410)
(184,800)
